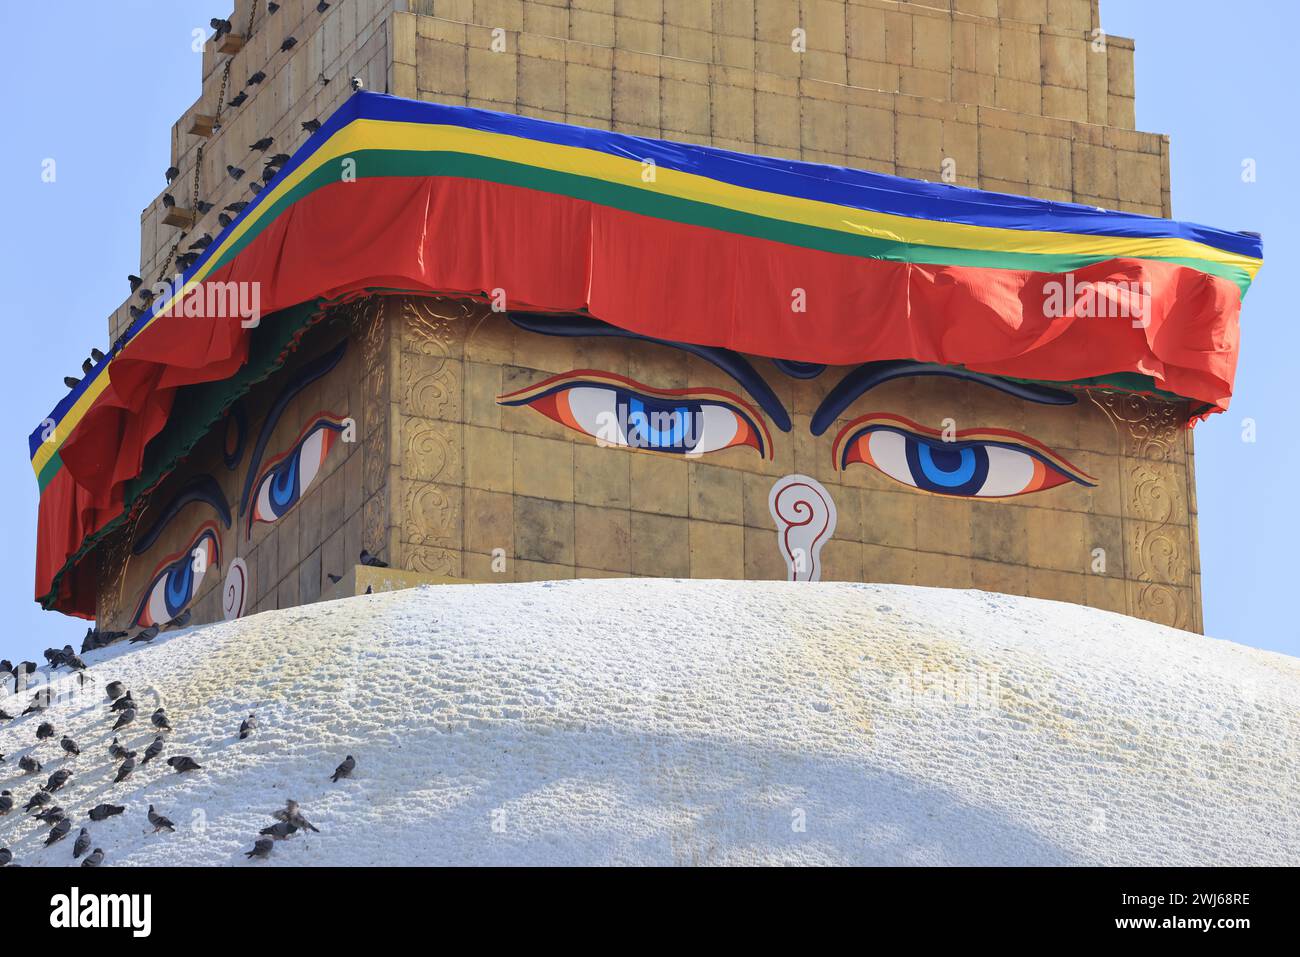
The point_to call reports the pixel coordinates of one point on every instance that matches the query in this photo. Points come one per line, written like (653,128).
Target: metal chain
(216,125)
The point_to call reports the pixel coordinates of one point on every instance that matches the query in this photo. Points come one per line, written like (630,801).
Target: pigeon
(39,799)
(51,815)
(122,703)
(183,762)
(171,174)
(183,619)
(184,261)
(261,848)
(96,354)
(237,207)
(256,78)
(247,726)
(135,311)
(29,764)
(150,633)
(291,814)
(160,822)
(153,750)
(67,744)
(334,579)
(255,187)
(269,174)
(356,83)
(86,366)
(117,752)
(288,44)
(5,715)
(95,858)
(263,144)
(82,845)
(311,126)
(279,159)
(169,201)
(203,242)
(125,718)
(125,770)
(203,206)
(6,802)
(371,560)
(272,6)
(114,690)
(75,663)
(6,856)
(57,780)
(239,98)
(58,832)
(224,219)
(159,720)
(222,27)
(40,701)
(234,171)
(370,589)
(322,6)
(344,770)
(278,831)
(102,812)
(71,381)
(45,730)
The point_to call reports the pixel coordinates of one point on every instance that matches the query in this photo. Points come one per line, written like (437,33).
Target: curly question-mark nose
(805,521)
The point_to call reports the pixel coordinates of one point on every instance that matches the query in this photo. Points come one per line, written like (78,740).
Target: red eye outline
(543,397)
(1051,469)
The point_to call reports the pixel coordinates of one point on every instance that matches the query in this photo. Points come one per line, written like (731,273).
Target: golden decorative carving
(1159,546)
(432,326)
(433,561)
(431,450)
(372,327)
(430,514)
(430,387)
(374,525)
(1150,427)
(113,556)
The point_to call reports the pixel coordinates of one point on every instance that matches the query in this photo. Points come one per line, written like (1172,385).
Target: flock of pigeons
(273,165)
(122,712)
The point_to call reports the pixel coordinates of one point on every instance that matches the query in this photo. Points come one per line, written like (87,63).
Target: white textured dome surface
(688,722)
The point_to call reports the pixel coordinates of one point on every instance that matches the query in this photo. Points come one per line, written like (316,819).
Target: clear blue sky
(100,101)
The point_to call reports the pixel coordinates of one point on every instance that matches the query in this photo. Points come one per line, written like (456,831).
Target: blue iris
(662,425)
(180,586)
(283,490)
(947,467)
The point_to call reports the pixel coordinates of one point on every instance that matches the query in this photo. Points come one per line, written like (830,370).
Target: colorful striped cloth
(791,260)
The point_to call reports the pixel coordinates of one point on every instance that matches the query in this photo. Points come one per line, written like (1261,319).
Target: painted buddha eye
(977,463)
(287,477)
(176,580)
(619,411)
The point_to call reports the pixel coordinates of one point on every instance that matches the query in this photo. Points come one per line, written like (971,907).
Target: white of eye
(310,459)
(264,510)
(718,427)
(889,452)
(158,602)
(594,410)
(1009,472)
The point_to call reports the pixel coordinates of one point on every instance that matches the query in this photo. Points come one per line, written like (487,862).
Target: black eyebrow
(200,488)
(301,379)
(732,363)
(871,374)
